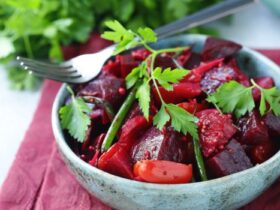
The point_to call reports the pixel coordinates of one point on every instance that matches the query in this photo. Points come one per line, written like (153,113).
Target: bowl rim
(66,150)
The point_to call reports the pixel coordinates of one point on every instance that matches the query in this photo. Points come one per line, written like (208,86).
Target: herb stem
(28,47)
(199,160)
(152,77)
(119,118)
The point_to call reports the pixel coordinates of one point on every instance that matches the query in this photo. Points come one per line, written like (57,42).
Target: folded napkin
(39,179)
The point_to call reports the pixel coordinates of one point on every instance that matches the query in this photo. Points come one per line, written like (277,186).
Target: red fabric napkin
(39,179)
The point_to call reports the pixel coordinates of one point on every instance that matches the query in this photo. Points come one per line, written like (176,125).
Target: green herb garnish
(233,97)
(74,117)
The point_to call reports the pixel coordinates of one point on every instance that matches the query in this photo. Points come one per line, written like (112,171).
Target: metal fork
(84,68)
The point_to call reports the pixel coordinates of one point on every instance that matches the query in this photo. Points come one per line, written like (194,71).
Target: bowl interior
(251,62)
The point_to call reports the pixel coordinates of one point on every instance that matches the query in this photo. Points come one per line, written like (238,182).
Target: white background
(254,27)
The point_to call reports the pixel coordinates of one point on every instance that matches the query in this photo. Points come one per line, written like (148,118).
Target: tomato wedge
(162,171)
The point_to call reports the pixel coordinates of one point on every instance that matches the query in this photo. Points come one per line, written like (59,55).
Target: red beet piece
(273,124)
(116,161)
(113,66)
(218,48)
(163,145)
(193,106)
(181,92)
(231,160)
(193,61)
(106,87)
(140,54)
(264,82)
(127,62)
(262,152)
(183,58)
(196,74)
(131,130)
(215,130)
(165,61)
(253,130)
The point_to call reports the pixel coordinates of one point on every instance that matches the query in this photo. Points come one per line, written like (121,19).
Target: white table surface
(254,27)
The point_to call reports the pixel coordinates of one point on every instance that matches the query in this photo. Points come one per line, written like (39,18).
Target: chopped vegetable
(162,171)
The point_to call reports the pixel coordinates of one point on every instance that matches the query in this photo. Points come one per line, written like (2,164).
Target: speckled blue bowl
(229,192)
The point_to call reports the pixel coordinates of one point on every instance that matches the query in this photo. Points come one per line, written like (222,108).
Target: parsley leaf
(144,98)
(74,117)
(147,34)
(233,97)
(272,97)
(167,77)
(161,118)
(182,121)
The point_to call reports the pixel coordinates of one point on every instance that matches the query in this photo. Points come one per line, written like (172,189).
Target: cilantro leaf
(233,97)
(182,121)
(161,118)
(74,117)
(147,34)
(144,98)
(125,38)
(272,97)
(132,77)
(167,77)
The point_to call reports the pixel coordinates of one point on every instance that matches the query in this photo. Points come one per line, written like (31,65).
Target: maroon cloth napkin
(39,179)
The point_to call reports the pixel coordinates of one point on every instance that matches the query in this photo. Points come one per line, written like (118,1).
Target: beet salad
(172,115)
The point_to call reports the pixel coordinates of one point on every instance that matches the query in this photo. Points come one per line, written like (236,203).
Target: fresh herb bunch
(233,97)
(38,28)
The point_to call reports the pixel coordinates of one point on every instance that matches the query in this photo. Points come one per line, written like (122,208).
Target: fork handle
(201,17)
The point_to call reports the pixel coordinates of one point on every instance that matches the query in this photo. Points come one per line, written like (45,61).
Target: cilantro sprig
(181,120)
(74,117)
(233,97)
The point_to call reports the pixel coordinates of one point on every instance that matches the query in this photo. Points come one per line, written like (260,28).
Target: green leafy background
(38,28)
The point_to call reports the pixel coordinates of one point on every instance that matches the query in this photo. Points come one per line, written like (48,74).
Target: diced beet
(264,82)
(113,67)
(181,92)
(196,74)
(216,77)
(231,160)
(273,124)
(262,152)
(215,130)
(116,161)
(127,64)
(241,76)
(163,145)
(218,48)
(193,106)
(106,87)
(140,54)
(165,61)
(193,61)
(184,57)
(131,130)
(252,129)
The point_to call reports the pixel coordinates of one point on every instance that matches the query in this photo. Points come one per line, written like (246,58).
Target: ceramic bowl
(229,192)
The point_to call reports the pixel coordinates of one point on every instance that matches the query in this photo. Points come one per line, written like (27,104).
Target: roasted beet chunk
(181,92)
(253,130)
(215,130)
(219,48)
(127,63)
(273,124)
(165,61)
(231,160)
(264,82)
(262,152)
(163,145)
(216,77)
(106,86)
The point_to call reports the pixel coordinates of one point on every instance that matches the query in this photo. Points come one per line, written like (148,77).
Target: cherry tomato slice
(162,171)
